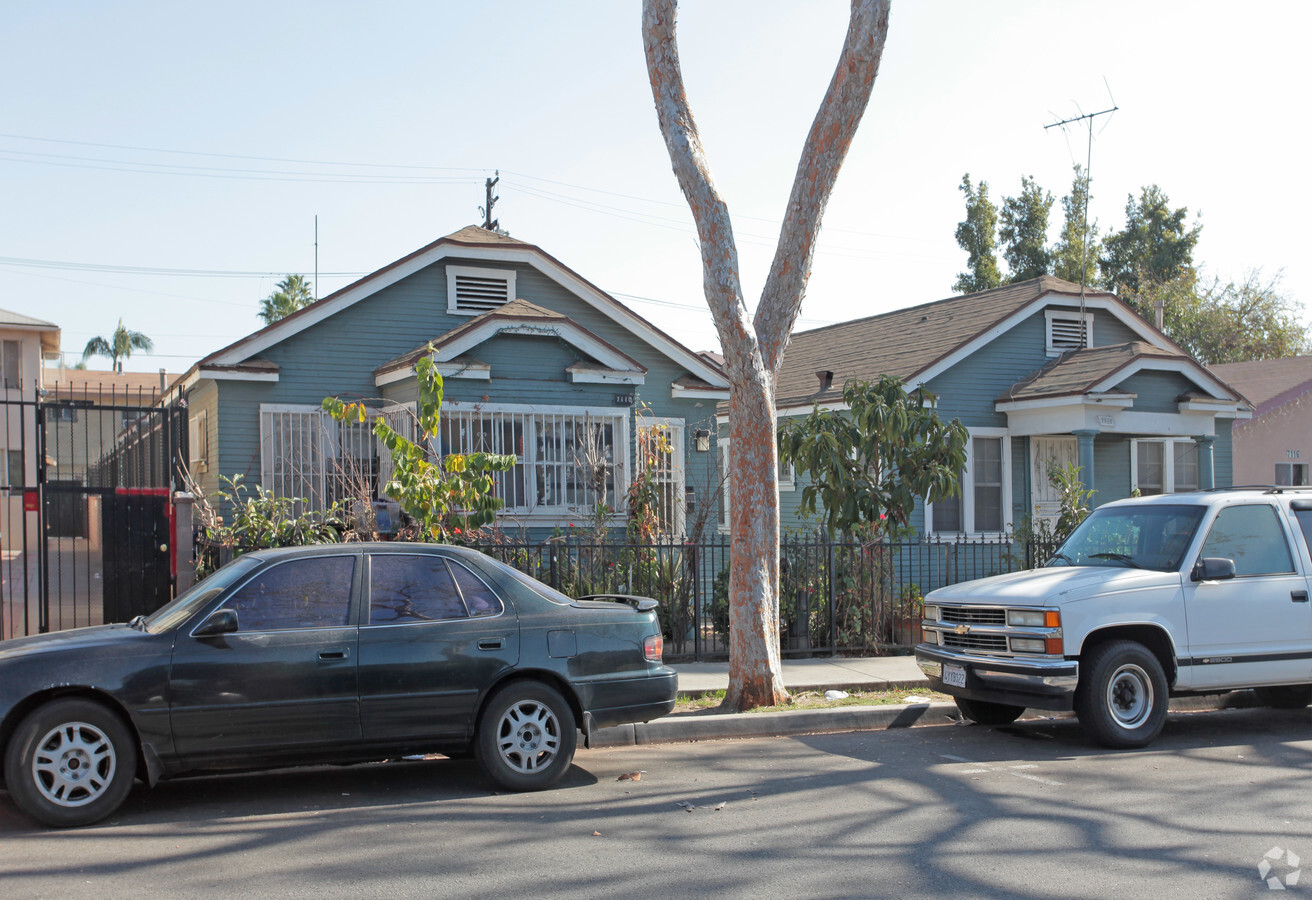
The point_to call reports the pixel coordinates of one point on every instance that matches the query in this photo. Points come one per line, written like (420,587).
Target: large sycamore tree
(753,346)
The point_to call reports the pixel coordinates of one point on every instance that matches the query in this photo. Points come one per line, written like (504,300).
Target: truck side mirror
(1213,568)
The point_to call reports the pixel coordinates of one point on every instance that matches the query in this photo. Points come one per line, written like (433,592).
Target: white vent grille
(1068,331)
(476,290)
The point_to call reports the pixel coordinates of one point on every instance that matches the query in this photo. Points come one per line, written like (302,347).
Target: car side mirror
(1213,568)
(221,621)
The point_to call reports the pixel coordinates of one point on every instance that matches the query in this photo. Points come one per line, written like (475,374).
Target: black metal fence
(835,597)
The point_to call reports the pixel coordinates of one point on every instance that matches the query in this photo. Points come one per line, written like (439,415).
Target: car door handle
(491,643)
(334,654)
(1298,596)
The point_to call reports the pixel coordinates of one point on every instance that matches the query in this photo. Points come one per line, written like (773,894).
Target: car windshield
(181,608)
(1142,536)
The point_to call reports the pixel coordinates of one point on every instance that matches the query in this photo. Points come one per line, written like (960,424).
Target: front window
(185,605)
(566,461)
(660,453)
(302,593)
(1164,465)
(1291,474)
(1140,536)
(1251,536)
(985,491)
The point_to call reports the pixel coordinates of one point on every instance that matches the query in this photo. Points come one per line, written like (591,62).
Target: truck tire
(1289,696)
(985,713)
(1122,695)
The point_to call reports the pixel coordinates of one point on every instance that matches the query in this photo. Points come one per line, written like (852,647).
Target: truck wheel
(1290,696)
(986,713)
(1122,695)
(526,736)
(71,762)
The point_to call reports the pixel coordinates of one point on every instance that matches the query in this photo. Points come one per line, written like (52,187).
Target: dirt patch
(709,704)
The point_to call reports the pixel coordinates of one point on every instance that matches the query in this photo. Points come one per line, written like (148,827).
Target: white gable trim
(368,286)
(1050,298)
(1188,369)
(563,328)
(679,392)
(584,374)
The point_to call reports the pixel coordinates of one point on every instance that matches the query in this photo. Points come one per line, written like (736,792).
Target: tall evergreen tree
(291,294)
(1154,246)
(1024,232)
(1075,255)
(976,235)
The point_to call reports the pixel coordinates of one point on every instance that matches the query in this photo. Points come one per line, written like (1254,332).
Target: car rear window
(412,588)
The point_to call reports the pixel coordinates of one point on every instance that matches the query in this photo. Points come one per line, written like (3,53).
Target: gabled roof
(919,342)
(1100,369)
(1269,383)
(515,317)
(475,243)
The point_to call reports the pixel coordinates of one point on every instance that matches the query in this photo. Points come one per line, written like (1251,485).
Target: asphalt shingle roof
(1266,382)
(1080,371)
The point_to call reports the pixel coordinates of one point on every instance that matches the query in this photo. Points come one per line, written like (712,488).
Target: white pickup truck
(1152,597)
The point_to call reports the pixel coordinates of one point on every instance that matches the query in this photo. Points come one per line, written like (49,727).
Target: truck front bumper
(1034,683)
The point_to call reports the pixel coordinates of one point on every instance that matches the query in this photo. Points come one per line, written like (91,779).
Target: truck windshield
(1147,536)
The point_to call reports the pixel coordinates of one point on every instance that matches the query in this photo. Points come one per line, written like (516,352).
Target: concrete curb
(677,729)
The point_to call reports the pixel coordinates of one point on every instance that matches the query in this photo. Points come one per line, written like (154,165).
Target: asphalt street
(1032,810)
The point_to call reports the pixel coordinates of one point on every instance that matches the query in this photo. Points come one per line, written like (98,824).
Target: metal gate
(87,534)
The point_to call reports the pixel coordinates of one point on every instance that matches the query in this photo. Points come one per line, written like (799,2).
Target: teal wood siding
(969,390)
(1108,330)
(1111,469)
(1157,391)
(1223,454)
(338,356)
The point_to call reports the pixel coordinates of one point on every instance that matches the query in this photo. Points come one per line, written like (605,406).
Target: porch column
(1206,466)
(1085,456)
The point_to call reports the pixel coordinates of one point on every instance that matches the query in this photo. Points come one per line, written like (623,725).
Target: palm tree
(119,347)
(292,293)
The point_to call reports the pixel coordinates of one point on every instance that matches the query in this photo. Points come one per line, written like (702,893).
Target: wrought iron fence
(835,597)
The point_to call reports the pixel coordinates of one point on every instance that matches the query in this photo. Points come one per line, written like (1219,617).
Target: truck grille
(987,642)
(973,615)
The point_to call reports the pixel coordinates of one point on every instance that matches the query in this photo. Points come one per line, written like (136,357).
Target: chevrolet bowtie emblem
(961,629)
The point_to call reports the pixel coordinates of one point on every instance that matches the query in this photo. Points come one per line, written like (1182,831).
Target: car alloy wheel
(526,736)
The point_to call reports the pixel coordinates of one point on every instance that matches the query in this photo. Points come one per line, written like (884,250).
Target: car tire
(526,736)
(1290,696)
(70,762)
(984,713)
(1122,696)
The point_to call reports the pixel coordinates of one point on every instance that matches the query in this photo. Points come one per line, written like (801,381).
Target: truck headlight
(1028,645)
(931,613)
(1032,618)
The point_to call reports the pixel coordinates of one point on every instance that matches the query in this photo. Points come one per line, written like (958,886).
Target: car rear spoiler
(641,604)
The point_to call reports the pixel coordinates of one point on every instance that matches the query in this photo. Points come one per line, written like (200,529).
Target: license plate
(954,675)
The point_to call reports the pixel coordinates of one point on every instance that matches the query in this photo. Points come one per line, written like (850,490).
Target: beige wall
(1281,435)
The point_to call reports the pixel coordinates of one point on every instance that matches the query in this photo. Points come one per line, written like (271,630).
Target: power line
(155,270)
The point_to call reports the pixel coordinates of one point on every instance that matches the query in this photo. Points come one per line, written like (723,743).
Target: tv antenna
(490,223)
(1088,182)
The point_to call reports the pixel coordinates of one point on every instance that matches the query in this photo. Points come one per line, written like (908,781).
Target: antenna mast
(490,223)
(1088,183)
(316,257)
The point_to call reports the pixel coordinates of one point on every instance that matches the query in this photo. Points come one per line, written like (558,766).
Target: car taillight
(653,647)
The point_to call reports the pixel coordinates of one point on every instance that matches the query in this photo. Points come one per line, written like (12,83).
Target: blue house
(1039,372)
(537,361)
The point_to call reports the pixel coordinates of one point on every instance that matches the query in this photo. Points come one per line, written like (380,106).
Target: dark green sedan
(332,653)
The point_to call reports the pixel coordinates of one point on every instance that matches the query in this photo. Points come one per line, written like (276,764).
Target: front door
(1254,628)
(285,683)
(1047,453)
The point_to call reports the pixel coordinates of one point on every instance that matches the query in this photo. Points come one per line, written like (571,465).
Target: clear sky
(164,161)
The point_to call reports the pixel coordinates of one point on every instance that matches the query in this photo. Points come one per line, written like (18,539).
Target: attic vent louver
(476,290)
(1066,331)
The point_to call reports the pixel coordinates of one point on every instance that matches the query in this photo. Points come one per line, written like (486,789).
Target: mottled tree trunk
(753,349)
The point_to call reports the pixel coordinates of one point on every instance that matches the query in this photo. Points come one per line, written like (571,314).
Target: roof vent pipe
(826,377)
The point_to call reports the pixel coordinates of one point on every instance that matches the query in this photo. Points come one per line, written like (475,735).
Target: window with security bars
(566,460)
(473,290)
(660,452)
(307,455)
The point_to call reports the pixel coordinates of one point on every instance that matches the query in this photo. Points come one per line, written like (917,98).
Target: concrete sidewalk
(874,673)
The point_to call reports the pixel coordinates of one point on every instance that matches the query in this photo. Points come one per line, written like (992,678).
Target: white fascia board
(679,392)
(789,411)
(1119,401)
(1187,368)
(1067,419)
(563,329)
(1215,407)
(478,372)
(603,303)
(605,376)
(1133,322)
(222,375)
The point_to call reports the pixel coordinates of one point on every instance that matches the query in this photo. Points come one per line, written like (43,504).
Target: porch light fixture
(703,438)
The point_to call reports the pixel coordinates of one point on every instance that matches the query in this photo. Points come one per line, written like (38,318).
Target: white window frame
(528,464)
(1070,316)
(968,488)
(452,272)
(672,479)
(199,441)
(1168,462)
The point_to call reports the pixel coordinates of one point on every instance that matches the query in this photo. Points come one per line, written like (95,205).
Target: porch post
(1206,466)
(1085,437)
